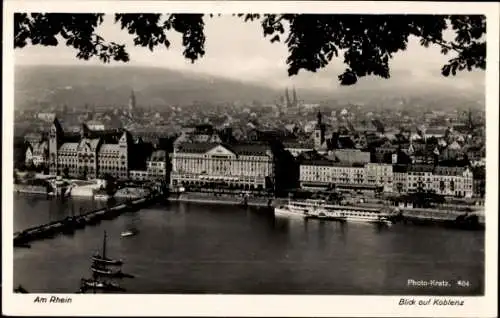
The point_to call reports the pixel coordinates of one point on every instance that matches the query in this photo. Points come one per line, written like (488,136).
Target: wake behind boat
(320,209)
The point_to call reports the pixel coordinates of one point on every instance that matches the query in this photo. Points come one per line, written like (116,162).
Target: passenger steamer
(321,209)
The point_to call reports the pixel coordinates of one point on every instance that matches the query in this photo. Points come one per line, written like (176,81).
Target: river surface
(193,248)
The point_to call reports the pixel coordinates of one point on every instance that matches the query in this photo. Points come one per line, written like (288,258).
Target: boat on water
(129,232)
(101,270)
(131,229)
(321,209)
(102,258)
(102,273)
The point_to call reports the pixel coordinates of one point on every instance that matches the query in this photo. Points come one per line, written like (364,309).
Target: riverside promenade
(211,198)
(447,216)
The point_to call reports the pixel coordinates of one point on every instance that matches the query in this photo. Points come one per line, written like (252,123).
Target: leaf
(454,69)
(445,70)
(348,78)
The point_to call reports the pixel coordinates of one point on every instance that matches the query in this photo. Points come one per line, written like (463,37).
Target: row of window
(156,171)
(197,177)
(206,158)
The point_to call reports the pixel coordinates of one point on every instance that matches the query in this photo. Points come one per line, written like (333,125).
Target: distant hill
(76,86)
(103,85)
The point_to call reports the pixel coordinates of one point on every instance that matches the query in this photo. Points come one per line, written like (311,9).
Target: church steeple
(319,132)
(295,102)
(287,98)
(131,101)
(319,118)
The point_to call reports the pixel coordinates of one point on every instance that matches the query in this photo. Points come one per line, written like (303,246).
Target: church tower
(131,102)
(56,135)
(124,144)
(295,101)
(287,96)
(319,132)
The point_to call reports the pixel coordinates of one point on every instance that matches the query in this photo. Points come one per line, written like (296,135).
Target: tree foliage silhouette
(367,42)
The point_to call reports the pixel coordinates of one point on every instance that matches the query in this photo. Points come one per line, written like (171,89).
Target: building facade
(244,166)
(318,171)
(400,175)
(419,178)
(453,181)
(157,165)
(37,154)
(93,155)
(322,173)
(380,174)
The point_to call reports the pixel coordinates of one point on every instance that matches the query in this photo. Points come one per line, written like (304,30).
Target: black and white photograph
(214,149)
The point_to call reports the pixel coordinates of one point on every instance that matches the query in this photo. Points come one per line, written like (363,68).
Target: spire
(287,96)
(131,101)
(295,102)
(470,122)
(319,117)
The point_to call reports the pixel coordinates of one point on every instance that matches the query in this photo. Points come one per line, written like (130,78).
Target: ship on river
(104,270)
(102,258)
(321,209)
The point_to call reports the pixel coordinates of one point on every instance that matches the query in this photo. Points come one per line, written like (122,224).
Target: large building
(419,178)
(89,155)
(244,166)
(453,181)
(317,171)
(380,174)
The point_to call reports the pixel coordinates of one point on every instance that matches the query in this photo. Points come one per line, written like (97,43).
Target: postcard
(250,158)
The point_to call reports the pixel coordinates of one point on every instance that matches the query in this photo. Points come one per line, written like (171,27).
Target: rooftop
(245,149)
(420,168)
(158,155)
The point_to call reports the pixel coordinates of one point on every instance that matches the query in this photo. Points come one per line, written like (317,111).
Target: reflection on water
(188,248)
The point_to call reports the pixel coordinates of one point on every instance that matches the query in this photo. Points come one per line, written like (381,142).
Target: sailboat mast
(104,246)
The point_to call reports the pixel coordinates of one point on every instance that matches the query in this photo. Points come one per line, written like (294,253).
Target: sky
(238,50)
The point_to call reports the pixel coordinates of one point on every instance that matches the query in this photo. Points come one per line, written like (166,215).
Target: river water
(192,248)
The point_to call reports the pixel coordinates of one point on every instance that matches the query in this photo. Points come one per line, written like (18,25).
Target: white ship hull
(286,212)
(335,213)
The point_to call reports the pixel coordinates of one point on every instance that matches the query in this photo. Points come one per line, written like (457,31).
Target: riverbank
(414,215)
(205,198)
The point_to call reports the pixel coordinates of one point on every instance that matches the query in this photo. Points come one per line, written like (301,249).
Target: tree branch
(446,45)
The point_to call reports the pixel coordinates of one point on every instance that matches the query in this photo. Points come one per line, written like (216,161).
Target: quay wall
(204,198)
(437,215)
